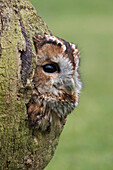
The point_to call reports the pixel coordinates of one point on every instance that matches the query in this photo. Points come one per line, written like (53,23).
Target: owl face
(56,81)
(56,76)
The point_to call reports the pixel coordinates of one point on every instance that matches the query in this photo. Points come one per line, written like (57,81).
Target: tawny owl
(56,81)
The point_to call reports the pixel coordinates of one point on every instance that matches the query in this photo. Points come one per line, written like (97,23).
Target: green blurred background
(86,142)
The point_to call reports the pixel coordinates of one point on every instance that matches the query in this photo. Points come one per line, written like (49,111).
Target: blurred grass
(86,142)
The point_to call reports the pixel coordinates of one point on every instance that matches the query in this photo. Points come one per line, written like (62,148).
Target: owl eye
(51,68)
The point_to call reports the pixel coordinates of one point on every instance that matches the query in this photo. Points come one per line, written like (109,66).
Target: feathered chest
(61,108)
(41,112)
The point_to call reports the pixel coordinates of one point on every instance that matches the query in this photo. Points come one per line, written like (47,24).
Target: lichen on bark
(20,147)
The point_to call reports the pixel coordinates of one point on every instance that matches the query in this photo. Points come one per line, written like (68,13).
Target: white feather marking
(45,116)
(50,118)
(64,48)
(76,104)
(53,38)
(74,47)
(38,116)
(76,50)
(55,92)
(77,80)
(77,61)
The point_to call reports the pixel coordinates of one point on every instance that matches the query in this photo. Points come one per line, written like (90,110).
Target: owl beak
(68,87)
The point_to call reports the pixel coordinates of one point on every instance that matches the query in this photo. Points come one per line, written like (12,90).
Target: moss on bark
(20,147)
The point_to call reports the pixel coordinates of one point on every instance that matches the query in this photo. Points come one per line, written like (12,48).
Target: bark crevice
(26,56)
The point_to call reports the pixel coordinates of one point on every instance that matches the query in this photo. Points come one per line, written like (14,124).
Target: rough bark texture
(20,147)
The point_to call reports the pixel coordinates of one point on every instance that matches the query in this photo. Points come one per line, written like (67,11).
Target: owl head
(56,76)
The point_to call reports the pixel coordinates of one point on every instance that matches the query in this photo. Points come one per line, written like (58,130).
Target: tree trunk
(20,147)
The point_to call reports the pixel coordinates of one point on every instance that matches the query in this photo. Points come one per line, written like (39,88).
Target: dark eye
(51,68)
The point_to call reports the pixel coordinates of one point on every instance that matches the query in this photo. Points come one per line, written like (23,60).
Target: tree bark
(20,146)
